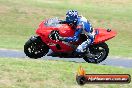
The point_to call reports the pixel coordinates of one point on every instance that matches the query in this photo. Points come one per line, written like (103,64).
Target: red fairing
(65,31)
(103,35)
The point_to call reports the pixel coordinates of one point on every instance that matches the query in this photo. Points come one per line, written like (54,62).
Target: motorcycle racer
(61,39)
(80,25)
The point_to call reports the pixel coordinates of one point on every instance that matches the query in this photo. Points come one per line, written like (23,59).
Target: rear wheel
(99,53)
(35,48)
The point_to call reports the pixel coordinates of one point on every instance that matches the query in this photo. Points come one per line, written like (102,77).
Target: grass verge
(28,73)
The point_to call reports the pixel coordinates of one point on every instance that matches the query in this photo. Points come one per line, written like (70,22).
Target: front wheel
(35,47)
(99,53)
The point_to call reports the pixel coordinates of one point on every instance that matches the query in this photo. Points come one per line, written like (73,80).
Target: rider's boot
(88,54)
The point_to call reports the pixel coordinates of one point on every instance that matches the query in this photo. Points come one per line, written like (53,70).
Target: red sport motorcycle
(47,32)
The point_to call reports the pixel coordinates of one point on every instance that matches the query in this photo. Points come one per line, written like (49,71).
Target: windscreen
(52,22)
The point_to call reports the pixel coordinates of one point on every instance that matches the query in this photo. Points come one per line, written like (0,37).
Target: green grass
(28,73)
(20,18)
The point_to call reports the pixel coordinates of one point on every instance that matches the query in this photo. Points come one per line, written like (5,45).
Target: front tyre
(35,47)
(99,53)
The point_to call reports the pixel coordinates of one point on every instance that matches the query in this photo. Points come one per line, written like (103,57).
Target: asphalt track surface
(111,61)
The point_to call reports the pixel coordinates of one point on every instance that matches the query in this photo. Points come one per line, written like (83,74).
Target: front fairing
(45,29)
(47,26)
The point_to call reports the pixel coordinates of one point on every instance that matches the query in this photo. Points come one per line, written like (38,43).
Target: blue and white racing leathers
(83,26)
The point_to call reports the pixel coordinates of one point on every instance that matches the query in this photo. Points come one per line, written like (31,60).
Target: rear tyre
(99,51)
(35,48)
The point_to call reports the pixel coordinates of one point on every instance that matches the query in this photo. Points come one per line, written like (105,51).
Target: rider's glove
(61,38)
